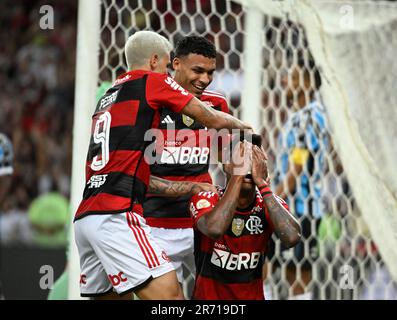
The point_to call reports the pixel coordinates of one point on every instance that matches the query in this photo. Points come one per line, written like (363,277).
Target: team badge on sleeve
(202,204)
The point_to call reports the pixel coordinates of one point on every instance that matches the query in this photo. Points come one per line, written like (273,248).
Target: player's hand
(248,129)
(201,186)
(260,173)
(241,158)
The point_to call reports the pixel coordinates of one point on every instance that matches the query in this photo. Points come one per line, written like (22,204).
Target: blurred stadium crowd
(37,75)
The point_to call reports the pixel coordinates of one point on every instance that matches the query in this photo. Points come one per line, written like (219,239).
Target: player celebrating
(233,230)
(194,64)
(116,249)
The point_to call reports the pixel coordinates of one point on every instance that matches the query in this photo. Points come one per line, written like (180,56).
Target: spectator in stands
(37,104)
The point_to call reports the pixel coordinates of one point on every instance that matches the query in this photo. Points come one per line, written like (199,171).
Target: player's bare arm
(285,225)
(212,118)
(215,223)
(159,186)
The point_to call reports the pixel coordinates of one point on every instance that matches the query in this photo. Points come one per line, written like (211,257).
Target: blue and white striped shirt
(306,132)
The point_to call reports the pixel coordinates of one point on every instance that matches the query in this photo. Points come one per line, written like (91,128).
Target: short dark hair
(195,44)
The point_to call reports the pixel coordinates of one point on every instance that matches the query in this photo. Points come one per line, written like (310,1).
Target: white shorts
(117,252)
(179,244)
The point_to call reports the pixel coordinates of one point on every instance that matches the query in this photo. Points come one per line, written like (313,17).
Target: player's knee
(173,291)
(165,287)
(175,295)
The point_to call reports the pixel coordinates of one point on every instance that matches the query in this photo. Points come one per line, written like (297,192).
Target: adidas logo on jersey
(167,120)
(184,155)
(230,261)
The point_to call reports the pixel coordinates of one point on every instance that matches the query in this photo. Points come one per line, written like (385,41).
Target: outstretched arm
(167,188)
(285,225)
(212,118)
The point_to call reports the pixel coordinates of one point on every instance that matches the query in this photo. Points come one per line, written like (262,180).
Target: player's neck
(178,79)
(143,68)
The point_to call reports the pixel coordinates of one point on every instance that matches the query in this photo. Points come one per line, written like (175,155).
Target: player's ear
(176,63)
(154,60)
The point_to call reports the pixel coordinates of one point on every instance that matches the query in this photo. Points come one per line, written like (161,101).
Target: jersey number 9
(101,135)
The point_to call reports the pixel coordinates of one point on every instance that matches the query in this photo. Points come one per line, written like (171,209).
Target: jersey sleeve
(224,106)
(201,204)
(163,91)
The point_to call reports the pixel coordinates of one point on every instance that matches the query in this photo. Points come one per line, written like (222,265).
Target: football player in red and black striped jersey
(233,227)
(117,251)
(184,154)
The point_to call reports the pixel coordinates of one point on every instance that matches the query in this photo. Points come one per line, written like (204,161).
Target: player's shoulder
(202,202)
(314,107)
(213,97)
(212,93)
(165,81)
(317,105)
(157,75)
(138,74)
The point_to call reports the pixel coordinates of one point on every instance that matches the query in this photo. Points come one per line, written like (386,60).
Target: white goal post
(88,27)
(354,45)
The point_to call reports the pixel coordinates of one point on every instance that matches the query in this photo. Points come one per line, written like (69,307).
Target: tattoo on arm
(169,188)
(285,225)
(215,223)
(225,214)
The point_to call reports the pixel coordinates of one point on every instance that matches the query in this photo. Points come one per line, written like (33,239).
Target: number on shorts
(101,135)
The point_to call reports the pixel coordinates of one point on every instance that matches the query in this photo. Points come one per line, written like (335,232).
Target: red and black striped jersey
(230,268)
(117,174)
(183,155)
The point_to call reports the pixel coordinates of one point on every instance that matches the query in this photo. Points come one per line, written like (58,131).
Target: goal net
(275,59)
